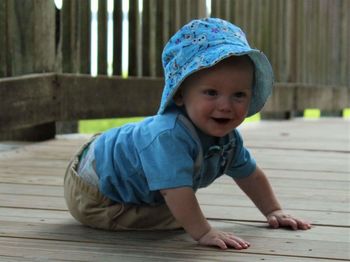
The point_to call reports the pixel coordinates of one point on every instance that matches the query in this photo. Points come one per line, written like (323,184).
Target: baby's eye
(210,92)
(240,95)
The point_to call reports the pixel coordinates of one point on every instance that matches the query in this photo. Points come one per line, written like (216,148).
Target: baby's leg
(85,202)
(91,208)
(145,217)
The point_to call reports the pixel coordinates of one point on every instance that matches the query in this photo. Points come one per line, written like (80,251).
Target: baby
(144,176)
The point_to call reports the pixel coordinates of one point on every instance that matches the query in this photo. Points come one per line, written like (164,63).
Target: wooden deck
(308,163)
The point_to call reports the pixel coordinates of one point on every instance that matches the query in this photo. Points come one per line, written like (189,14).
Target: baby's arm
(183,204)
(259,190)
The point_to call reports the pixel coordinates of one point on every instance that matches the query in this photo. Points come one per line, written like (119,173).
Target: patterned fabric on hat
(203,43)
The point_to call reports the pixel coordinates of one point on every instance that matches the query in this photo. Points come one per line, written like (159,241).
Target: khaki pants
(91,208)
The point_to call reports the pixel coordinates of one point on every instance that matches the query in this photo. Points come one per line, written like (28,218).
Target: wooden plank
(336,191)
(251,214)
(102,37)
(36,216)
(70,97)
(12,145)
(3,39)
(34,202)
(227,201)
(146,56)
(320,242)
(67,40)
(133,37)
(152,37)
(117,37)
(122,97)
(44,46)
(30,190)
(345,64)
(293,160)
(74,40)
(27,250)
(231,209)
(291,134)
(281,100)
(326,204)
(324,98)
(159,38)
(84,27)
(27,101)
(153,20)
(34,211)
(31,49)
(324,190)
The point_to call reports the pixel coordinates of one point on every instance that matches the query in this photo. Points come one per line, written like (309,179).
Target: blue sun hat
(203,43)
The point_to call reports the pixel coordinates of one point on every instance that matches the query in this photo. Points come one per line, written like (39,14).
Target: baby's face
(217,99)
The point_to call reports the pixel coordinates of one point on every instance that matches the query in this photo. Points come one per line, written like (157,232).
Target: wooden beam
(117,37)
(3,39)
(297,96)
(74,47)
(33,100)
(86,97)
(27,101)
(102,37)
(31,48)
(329,98)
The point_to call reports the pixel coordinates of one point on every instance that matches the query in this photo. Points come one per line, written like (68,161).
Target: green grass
(312,113)
(253,118)
(346,113)
(100,125)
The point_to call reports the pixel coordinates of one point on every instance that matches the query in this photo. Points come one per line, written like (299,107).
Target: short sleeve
(168,161)
(243,163)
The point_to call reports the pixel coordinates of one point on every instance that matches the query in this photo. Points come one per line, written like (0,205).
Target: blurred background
(307,41)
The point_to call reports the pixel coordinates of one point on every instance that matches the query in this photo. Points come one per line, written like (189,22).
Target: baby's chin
(217,133)
(222,128)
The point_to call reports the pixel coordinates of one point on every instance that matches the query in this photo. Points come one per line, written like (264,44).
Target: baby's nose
(224,104)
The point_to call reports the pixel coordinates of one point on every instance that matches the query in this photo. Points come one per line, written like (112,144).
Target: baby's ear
(178,98)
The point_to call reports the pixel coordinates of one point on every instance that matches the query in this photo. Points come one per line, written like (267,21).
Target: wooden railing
(306,41)
(35,100)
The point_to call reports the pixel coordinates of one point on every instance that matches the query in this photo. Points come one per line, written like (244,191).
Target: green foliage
(346,113)
(100,125)
(253,118)
(312,113)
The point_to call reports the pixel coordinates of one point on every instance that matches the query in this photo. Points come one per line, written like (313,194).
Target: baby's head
(217,98)
(207,46)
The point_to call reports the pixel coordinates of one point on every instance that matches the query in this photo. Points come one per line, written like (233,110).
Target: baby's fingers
(276,221)
(223,240)
(220,243)
(295,223)
(237,242)
(302,224)
(289,222)
(273,221)
(211,240)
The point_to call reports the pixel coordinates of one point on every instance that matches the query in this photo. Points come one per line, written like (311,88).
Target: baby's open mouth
(221,121)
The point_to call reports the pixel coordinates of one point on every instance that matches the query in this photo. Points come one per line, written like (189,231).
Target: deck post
(30,48)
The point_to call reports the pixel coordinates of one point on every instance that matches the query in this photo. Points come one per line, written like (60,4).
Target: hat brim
(263,78)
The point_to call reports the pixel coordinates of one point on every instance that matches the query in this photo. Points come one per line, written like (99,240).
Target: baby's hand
(222,240)
(278,219)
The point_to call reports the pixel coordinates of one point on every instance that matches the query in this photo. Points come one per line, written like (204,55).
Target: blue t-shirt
(165,151)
